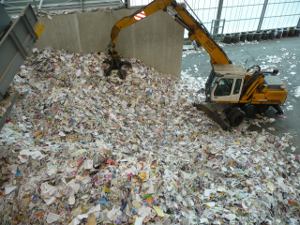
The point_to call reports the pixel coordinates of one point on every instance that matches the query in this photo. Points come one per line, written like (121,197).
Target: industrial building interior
(110,112)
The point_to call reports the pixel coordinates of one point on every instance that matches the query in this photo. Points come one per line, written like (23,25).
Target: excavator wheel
(278,109)
(261,109)
(235,116)
(250,110)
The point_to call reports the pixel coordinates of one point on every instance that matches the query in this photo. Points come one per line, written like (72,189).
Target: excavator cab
(225,83)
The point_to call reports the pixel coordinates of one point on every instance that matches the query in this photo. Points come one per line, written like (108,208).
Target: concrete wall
(156,40)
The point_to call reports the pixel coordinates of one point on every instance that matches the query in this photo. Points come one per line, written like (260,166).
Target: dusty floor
(283,54)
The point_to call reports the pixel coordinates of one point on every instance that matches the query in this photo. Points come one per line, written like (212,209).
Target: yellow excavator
(232,92)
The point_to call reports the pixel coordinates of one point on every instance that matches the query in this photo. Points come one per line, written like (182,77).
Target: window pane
(237,86)
(224,87)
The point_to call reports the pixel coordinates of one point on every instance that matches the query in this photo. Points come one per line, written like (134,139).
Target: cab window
(224,87)
(237,86)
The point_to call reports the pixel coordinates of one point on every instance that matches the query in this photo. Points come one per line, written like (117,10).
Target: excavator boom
(197,31)
(199,34)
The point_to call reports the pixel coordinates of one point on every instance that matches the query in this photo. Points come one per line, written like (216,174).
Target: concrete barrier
(156,40)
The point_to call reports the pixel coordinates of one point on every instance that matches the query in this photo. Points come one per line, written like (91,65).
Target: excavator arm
(197,31)
(136,17)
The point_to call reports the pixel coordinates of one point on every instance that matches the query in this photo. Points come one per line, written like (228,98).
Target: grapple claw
(114,62)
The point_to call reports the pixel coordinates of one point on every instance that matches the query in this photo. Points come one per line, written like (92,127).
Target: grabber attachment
(114,62)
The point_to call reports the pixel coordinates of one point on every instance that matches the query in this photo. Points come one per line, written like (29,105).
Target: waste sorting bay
(82,148)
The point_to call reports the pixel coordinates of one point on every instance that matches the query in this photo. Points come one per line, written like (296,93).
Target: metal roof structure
(14,7)
(231,16)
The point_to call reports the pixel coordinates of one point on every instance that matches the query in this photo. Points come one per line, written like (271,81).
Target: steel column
(41,4)
(127,4)
(262,15)
(298,25)
(218,18)
(35,6)
(82,5)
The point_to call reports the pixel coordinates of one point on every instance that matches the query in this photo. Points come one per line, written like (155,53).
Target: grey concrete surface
(61,32)
(283,54)
(156,40)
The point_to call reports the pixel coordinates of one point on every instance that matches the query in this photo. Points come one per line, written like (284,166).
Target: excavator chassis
(228,116)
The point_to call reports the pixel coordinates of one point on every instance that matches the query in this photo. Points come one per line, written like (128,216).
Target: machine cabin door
(227,90)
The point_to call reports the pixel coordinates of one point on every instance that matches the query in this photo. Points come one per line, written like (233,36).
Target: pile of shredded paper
(82,148)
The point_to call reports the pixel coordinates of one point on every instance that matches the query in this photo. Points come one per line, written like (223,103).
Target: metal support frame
(217,24)
(41,4)
(218,18)
(127,4)
(15,46)
(5,21)
(82,5)
(262,15)
(192,11)
(221,24)
(35,6)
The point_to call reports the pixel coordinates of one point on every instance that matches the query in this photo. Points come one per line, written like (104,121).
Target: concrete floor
(283,54)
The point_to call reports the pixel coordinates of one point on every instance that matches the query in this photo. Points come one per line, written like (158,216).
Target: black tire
(261,109)
(278,109)
(235,117)
(250,110)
